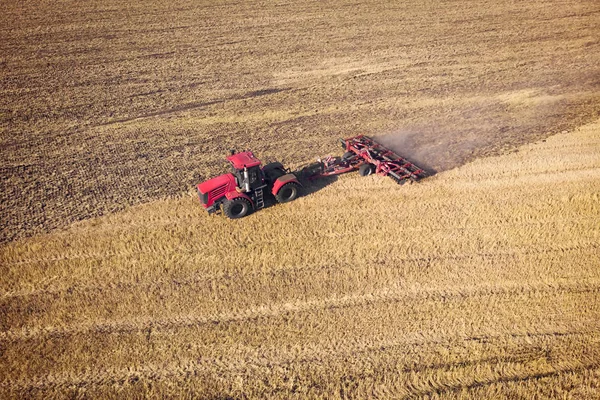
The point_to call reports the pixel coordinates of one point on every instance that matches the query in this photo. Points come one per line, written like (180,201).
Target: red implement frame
(364,150)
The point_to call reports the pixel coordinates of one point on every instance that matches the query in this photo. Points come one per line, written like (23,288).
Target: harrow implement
(368,157)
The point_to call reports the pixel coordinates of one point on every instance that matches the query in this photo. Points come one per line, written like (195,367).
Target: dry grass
(108,103)
(479,282)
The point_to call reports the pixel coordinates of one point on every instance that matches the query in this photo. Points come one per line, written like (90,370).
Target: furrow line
(275,310)
(254,364)
(500,378)
(109,254)
(203,279)
(520,175)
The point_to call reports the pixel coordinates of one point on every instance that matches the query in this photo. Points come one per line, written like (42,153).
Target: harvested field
(108,103)
(479,282)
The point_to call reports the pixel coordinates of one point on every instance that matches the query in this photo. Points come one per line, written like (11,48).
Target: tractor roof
(243,159)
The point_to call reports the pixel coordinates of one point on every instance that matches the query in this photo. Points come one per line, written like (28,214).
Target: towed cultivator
(242,191)
(368,157)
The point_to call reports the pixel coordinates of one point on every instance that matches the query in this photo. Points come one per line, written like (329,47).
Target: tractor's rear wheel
(366,169)
(287,192)
(273,171)
(236,208)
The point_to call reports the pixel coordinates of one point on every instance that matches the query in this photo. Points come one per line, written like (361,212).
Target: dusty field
(109,103)
(481,282)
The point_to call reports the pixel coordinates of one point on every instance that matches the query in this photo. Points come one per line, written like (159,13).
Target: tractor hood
(214,183)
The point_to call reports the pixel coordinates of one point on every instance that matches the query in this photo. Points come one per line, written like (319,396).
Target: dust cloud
(459,135)
(433,148)
(406,143)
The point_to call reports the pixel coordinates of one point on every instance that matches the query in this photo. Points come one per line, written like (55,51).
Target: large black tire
(237,208)
(273,165)
(287,192)
(365,169)
(273,171)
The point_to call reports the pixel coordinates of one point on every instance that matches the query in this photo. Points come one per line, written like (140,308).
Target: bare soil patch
(107,104)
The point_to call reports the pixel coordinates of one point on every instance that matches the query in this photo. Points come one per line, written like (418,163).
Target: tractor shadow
(308,187)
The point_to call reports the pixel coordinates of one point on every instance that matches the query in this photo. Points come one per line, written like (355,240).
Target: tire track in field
(281,270)
(438,389)
(452,382)
(230,367)
(273,310)
(542,179)
(332,352)
(199,105)
(224,352)
(516,177)
(501,224)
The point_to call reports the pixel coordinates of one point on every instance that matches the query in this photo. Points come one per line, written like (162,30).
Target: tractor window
(239,178)
(255,177)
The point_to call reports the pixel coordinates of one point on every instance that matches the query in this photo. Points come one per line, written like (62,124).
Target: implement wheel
(237,208)
(365,170)
(287,193)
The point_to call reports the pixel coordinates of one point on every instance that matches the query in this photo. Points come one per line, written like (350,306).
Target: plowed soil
(108,103)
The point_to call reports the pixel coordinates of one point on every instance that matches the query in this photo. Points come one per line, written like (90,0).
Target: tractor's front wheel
(365,169)
(287,193)
(236,208)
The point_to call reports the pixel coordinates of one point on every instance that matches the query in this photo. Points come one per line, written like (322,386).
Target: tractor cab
(247,171)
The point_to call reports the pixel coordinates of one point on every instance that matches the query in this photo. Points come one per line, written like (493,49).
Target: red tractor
(242,191)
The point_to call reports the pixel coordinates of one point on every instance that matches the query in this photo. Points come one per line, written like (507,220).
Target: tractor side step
(259,200)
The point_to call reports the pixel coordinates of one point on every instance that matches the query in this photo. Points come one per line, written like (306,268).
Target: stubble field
(481,281)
